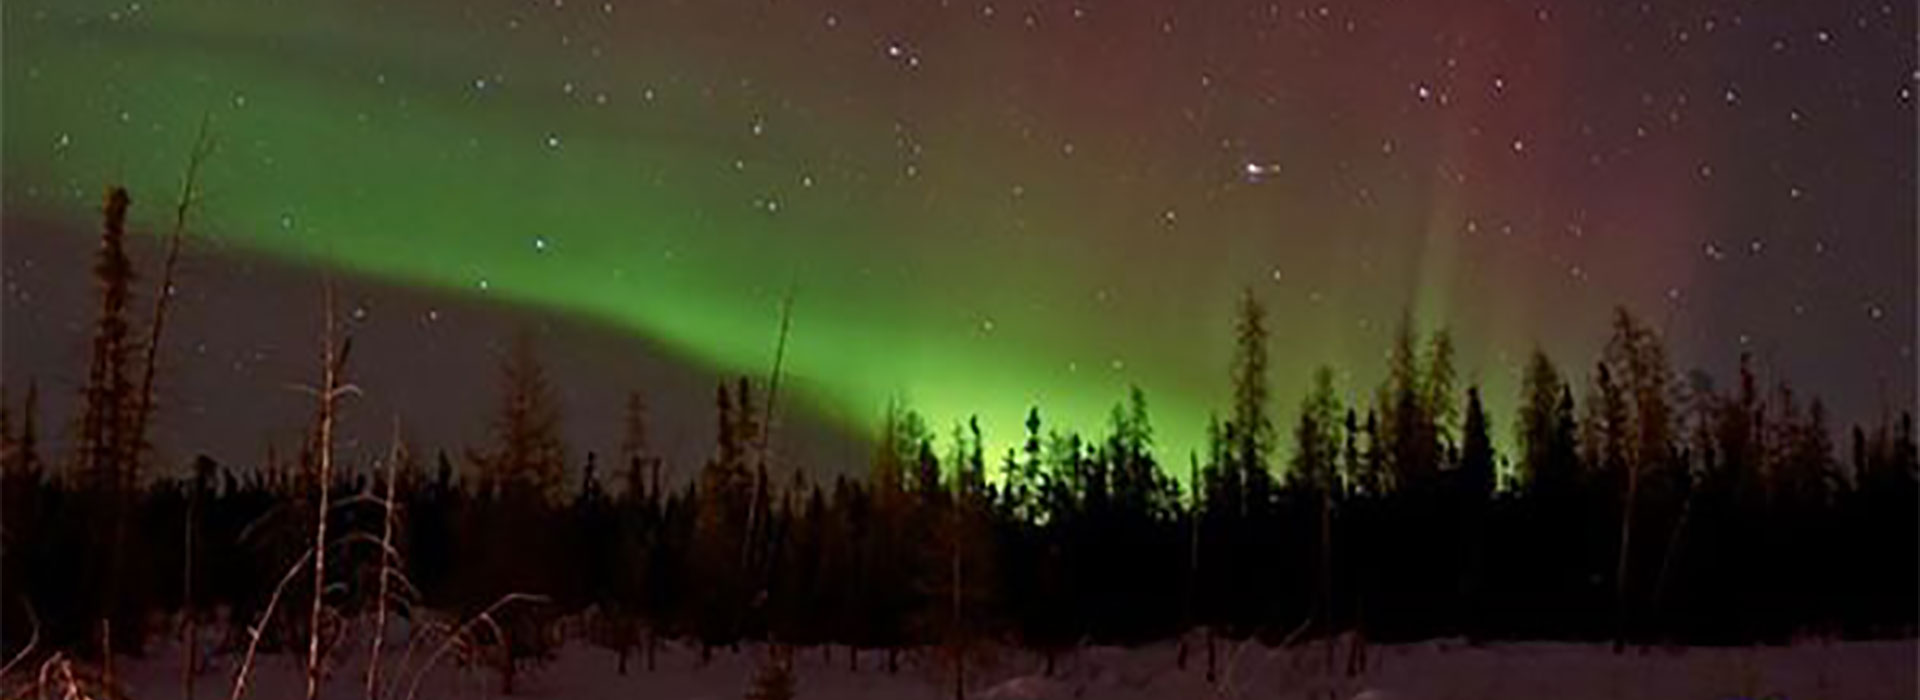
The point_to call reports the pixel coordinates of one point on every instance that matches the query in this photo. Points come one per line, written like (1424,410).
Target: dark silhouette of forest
(1639,506)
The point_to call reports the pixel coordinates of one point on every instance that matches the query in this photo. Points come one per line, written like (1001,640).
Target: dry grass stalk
(425,628)
(57,674)
(1227,686)
(459,634)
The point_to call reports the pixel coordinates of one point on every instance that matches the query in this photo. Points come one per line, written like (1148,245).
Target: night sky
(979,206)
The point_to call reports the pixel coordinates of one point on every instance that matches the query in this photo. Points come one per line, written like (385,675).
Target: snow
(1440,669)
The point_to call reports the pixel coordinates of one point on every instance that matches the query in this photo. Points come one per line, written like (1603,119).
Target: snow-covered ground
(1438,669)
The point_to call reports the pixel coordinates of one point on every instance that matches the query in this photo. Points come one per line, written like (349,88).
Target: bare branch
(333,363)
(32,641)
(388,557)
(163,296)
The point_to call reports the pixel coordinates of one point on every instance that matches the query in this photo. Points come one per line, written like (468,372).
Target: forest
(1640,506)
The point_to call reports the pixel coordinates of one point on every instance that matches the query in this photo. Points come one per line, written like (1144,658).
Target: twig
(1294,636)
(254,632)
(253,526)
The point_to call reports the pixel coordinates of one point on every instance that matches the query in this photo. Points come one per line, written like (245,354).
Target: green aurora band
(634,177)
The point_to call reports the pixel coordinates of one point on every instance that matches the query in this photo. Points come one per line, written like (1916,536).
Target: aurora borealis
(985,206)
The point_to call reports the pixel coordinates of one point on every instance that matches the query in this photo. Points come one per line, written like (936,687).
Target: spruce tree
(527,461)
(1316,436)
(107,403)
(1476,450)
(1475,477)
(1250,434)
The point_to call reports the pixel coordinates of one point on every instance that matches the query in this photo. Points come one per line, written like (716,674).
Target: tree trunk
(1211,675)
(1620,570)
(959,647)
(1674,542)
(1326,571)
(186,574)
(1357,654)
(193,642)
(106,654)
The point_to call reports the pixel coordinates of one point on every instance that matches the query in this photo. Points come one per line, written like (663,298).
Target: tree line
(1639,506)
